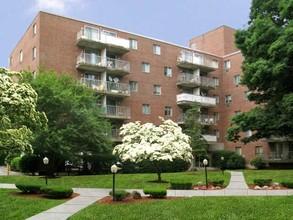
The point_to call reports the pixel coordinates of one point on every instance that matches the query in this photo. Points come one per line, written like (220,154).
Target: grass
(127,181)
(228,208)
(19,207)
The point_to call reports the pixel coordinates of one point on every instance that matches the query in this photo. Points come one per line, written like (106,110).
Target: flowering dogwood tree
(155,143)
(18,116)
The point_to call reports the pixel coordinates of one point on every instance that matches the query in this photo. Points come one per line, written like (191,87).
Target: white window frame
(217,133)
(133,85)
(217,116)
(21,56)
(237,79)
(34,53)
(228,99)
(146,109)
(216,81)
(168,71)
(133,44)
(145,67)
(238,150)
(157,90)
(217,97)
(156,49)
(246,94)
(227,64)
(258,150)
(34,29)
(168,111)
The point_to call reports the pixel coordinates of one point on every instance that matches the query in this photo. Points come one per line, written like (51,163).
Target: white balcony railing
(203,100)
(190,57)
(118,64)
(90,59)
(200,80)
(210,138)
(107,86)
(116,111)
(203,119)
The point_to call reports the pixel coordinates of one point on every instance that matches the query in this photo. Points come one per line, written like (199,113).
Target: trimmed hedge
(258,162)
(57,192)
(262,182)
(287,184)
(180,184)
(29,188)
(156,193)
(217,182)
(119,194)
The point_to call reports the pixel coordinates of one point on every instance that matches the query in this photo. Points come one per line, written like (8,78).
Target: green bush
(29,163)
(262,182)
(119,194)
(155,192)
(217,182)
(287,184)
(235,161)
(14,164)
(29,188)
(57,192)
(257,162)
(180,184)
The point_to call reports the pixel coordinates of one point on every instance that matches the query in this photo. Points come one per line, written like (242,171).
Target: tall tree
(76,131)
(267,46)
(149,142)
(18,115)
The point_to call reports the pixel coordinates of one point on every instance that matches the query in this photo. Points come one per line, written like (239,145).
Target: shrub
(257,162)
(217,182)
(14,164)
(262,182)
(180,184)
(119,194)
(235,161)
(287,184)
(57,192)
(29,163)
(155,192)
(29,188)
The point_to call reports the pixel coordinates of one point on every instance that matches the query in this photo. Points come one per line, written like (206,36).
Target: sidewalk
(88,196)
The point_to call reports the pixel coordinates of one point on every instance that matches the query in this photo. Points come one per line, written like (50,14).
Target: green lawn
(127,181)
(226,208)
(19,207)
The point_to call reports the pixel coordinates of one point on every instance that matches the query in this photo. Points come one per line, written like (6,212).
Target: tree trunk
(158,169)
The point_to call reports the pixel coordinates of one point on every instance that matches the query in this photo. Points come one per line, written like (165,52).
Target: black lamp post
(222,164)
(46,162)
(205,163)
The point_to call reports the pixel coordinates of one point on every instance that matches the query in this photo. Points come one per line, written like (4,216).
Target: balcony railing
(186,98)
(91,62)
(117,66)
(284,156)
(210,138)
(114,111)
(203,119)
(190,60)
(94,38)
(190,80)
(111,88)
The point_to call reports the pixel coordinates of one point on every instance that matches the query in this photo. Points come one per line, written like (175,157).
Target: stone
(199,184)
(136,195)
(265,187)
(203,188)
(257,187)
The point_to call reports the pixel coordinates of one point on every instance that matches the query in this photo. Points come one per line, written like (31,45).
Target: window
(237,79)
(110,33)
(133,86)
(168,71)
(228,99)
(34,29)
(156,49)
(145,67)
(168,111)
(157,90)
(258,150)
(237,112)
(247,133)
(216,116)
(216,81)
(193,46)
(217,98)
(133,44)
(34,53)
(20,56)
(246,94)
(217,133)
(227,64)
(146,109)
(238,150)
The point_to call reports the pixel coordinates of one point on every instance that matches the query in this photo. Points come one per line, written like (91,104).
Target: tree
(76,130)
(18,115)
(267,46)
(149,142)
(194,129)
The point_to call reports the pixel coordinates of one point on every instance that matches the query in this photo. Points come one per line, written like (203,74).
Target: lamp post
(114,170)
(205,163)
(222,164)
(46,162)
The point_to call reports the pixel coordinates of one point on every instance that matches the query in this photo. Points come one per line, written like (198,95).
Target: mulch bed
(129,200)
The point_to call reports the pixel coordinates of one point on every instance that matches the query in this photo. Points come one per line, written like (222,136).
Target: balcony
(108,88)
(277,157)
(203,119)
(187,99)
(189,80)
(118,67)
(190,60)
(94,38)
(90,62)
(116,112)
(210,138)
(115,136)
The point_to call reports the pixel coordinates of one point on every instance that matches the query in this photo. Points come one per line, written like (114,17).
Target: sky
(174,21)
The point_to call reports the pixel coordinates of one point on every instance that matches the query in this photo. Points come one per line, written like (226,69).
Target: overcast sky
(175,21)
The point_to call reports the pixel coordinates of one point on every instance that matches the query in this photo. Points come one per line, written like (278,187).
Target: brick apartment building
(141,78)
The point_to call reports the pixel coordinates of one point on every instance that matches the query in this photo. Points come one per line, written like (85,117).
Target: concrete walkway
(88,196)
